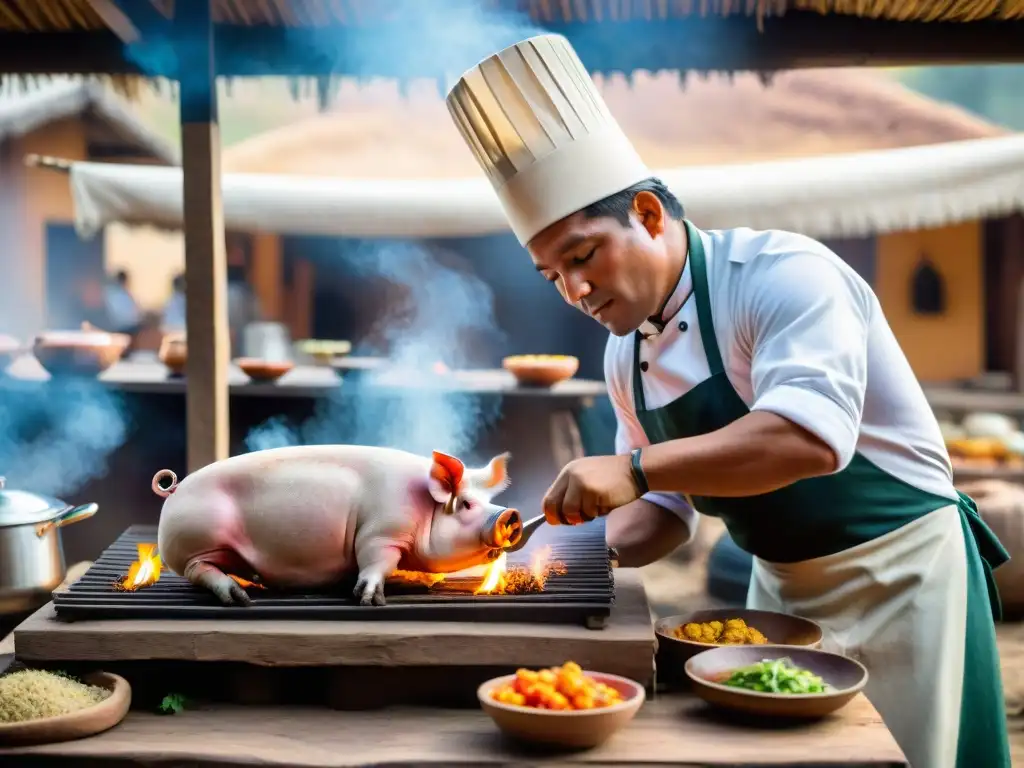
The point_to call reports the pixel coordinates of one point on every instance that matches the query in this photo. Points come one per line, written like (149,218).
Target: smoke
(55,437)
(443,309)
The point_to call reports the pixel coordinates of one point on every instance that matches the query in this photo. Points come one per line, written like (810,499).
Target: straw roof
(373,132)
(53,15)
(25,110)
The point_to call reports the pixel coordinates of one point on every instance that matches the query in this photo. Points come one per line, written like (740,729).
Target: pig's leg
(377,559)
(209,576)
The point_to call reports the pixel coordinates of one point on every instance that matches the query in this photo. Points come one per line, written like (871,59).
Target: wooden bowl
(541,370)
(779,628)
(581,729)
(77,725)
(264,370)
(844,676)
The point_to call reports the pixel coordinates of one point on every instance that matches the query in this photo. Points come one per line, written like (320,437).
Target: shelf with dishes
(985,445)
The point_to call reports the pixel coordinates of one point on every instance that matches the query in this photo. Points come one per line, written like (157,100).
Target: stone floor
(677,585)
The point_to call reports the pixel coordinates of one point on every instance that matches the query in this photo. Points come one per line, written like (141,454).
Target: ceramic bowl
(541,370)
(844,677)
(581,729)
(77,725)
(324,352)
(87,352)
(779,628)
(174,353)
(264,370)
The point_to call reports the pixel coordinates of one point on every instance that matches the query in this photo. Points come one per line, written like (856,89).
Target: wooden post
(205,254)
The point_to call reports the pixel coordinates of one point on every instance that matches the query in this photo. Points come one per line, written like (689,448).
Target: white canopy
(852,195)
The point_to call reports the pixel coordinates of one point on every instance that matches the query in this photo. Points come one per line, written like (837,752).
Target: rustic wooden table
(673,730)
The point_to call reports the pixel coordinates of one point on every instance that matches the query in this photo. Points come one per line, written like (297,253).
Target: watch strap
(638,471)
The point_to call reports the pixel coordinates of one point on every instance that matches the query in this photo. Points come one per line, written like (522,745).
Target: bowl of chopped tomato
(562,706)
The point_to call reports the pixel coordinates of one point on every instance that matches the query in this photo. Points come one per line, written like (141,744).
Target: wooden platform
(673,730)
(625,646)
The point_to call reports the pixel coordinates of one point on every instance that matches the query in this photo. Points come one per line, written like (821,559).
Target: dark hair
(121,277)
(620,205)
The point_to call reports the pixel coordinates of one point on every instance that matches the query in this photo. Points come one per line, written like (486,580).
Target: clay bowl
(566,730)
(844,676)
(79,353)
(264,370)
(779,628)
(541,370)
(77,725)
(174,353)
(324,352)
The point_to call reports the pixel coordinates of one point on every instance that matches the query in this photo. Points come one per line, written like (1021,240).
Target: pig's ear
(446,473)
(493,479)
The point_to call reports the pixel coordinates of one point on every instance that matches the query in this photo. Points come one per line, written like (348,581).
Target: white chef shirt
(801,335)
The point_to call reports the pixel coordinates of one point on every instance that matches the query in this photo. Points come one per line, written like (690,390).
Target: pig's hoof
(369,591)
(231,593)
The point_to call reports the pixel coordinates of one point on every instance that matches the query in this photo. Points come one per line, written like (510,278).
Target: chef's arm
(805,323)
(653,526)
(758,453)
(643,532)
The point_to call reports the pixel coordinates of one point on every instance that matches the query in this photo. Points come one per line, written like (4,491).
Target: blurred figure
(174,310)
(121,305)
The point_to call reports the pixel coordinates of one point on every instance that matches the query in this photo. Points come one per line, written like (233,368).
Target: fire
(244,583)
(418,577)
(502,579)
(144,572)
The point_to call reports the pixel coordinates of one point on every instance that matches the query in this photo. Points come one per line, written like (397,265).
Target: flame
(144,572)
(418,577)
(245,583)
(502,579)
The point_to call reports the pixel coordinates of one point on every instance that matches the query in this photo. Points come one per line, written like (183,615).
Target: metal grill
(582,595)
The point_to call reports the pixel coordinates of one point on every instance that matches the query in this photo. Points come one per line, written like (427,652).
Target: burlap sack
(1001,505)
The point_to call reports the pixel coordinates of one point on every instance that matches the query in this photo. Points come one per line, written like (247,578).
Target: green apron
(825,515)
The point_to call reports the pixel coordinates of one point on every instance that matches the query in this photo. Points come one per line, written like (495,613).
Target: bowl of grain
(684,636)
(41,707)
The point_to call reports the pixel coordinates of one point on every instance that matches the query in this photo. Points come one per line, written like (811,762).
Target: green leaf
(173,704)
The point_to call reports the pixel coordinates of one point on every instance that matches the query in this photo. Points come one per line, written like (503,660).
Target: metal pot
(31,553)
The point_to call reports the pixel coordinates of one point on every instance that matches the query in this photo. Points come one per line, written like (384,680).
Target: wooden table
(673,730)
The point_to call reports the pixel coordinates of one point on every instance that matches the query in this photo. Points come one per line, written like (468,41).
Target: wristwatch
(638,471)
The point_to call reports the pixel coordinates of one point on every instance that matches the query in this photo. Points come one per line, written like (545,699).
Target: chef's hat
(542,133)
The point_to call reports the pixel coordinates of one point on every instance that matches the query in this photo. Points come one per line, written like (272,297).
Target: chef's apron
(898,578)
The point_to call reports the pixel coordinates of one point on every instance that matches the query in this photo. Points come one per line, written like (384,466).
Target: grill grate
(583,595)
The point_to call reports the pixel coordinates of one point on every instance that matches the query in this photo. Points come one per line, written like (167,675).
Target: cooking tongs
(529,528)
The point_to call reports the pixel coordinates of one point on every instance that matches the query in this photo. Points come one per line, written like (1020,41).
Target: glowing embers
(502,579)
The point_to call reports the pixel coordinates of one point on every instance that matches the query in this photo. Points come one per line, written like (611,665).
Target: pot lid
(24,508)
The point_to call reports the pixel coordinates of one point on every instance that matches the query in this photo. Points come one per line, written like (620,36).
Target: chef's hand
(590,487)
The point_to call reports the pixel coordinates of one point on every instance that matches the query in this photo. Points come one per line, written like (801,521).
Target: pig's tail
(160,488)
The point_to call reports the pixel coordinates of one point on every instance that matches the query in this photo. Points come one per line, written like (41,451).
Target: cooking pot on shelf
(31,552)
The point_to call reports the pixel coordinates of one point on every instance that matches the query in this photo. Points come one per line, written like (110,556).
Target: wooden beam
(116,20)
(797,40)
(206,310)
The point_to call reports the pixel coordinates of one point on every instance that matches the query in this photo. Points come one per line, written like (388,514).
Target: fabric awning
(851,195)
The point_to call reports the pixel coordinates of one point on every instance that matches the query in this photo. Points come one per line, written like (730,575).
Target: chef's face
(603,268)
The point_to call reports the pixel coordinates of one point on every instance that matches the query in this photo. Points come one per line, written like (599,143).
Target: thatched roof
(25,110)
(54,15)
(373,132)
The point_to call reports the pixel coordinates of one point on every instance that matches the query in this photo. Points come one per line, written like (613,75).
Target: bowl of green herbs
(776,681)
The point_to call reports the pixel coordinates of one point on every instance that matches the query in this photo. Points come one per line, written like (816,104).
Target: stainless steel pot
(31,553)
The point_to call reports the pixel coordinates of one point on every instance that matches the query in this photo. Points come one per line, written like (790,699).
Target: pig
(308,516)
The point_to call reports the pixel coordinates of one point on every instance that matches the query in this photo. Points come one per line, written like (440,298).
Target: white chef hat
(542,133)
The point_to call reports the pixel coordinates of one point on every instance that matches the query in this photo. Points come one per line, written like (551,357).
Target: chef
(754,378)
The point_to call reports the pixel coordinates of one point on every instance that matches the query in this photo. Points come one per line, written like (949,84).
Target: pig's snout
(503,529)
